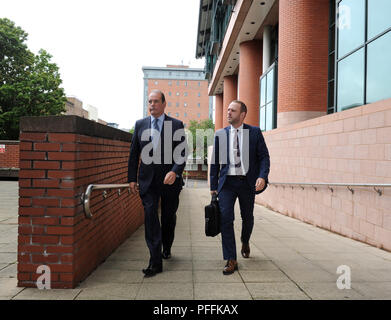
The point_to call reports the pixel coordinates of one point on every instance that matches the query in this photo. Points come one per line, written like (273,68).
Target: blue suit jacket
(255,156)
(170,140)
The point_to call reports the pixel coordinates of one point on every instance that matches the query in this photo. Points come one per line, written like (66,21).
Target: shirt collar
(239,128)
(161,118)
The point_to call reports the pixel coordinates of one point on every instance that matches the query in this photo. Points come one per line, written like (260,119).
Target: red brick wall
(55,170)
(303,55)
(10,158)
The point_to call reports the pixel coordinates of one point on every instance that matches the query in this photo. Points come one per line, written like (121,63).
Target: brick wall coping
(9,142)
(72,124)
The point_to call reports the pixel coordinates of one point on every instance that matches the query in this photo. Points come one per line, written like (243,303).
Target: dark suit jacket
(172,137)
(254,153)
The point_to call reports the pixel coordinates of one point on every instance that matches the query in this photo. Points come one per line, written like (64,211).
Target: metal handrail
(92,187)
(335,184)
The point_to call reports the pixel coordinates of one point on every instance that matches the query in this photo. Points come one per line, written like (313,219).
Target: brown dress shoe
(245,250)
(230,267)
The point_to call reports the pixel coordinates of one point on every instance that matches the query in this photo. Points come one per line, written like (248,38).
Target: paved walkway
(289,260)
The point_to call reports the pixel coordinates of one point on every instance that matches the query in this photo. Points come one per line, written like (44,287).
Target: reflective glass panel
(269,84)
(378,16)
(351,25)
(262,118)
(351,81)
(269,116)
(379,69)
(263,91)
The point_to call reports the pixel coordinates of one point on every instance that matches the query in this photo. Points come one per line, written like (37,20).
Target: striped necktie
(237,161)
(156,132)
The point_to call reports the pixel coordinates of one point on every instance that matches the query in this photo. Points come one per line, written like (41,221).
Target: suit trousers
(235,187)
(160,234)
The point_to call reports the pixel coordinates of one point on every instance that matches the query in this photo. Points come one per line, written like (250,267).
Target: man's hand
(260,184)
(133,187)
(213,192)
(170,178)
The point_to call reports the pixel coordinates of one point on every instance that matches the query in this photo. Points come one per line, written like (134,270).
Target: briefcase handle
(214,197)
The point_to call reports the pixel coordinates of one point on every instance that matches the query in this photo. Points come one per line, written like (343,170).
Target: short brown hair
(243,107)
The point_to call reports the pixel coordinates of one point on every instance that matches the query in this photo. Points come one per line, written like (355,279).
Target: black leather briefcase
(212,218)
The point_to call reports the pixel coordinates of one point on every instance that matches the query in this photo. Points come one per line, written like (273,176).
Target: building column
(219,112)
(303,60)
(267,47)
(250,70)
(230,94)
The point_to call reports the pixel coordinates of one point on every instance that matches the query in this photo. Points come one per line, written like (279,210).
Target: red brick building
(316,78)
(185,89)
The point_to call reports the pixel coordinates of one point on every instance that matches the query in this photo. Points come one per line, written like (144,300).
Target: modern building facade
(185,89)
(295,60)
(316,78)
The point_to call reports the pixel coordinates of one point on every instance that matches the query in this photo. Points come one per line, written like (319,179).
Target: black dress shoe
(166,254)
(152,270)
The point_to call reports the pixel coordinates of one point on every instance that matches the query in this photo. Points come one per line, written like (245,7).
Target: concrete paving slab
(263,276)
(221,291)
(108,291)
(329,291)
(53,294)
(165,291)
(215,276)
(10,271)
(289,260)
(8,288)
(374,290)
(276,291)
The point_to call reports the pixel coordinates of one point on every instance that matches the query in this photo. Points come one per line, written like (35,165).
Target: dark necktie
(238,163)
(156,132)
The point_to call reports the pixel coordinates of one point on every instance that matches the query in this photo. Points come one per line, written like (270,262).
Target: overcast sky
(100,46)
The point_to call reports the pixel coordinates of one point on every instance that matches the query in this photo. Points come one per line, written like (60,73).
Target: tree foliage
(202,134)
(29,83)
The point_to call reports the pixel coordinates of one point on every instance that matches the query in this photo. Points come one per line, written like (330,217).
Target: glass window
(198,115)
(269,116)
(379,69)
(177,83)
(262,118)
(270,82)
(263,91)
(351,81)
(199,94)
(169,93)
(351,25)
(378,16)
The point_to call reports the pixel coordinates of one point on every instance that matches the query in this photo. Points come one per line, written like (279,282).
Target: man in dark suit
(239,169)
(159,142)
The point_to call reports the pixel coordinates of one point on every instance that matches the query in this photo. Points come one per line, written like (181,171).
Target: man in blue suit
(159,142)
(239,169)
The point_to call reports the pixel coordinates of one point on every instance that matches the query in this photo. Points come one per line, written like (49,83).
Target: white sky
(100,46)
